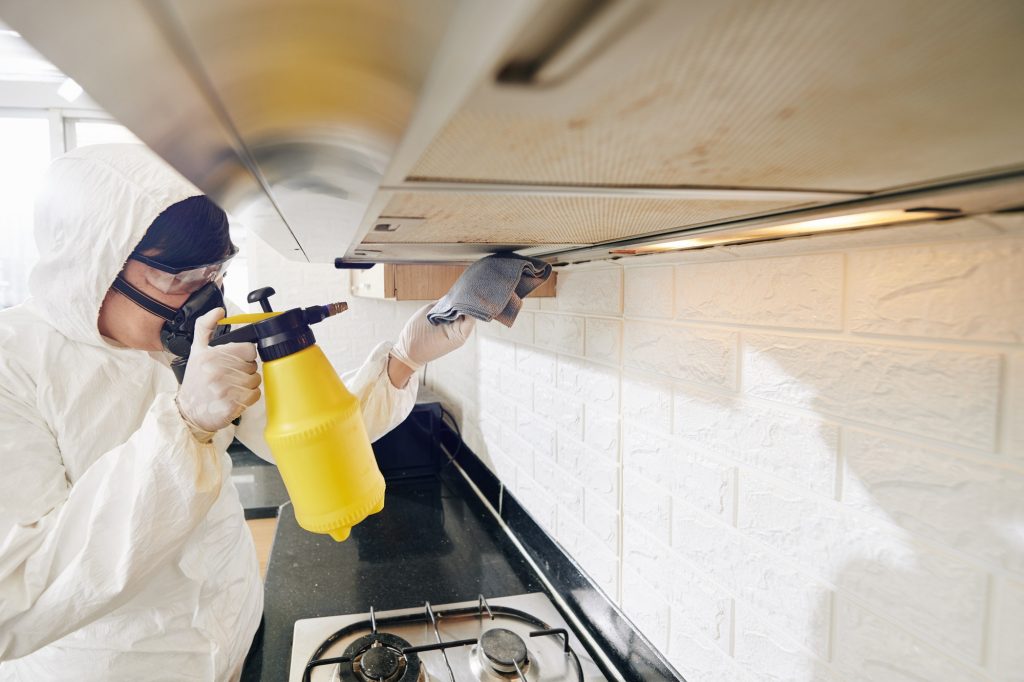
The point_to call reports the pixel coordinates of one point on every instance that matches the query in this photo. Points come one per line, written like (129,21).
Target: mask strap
(147,303)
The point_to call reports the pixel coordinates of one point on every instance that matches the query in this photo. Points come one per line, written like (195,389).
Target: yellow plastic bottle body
(315,430)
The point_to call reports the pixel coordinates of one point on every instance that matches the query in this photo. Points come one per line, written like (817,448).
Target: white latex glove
(220,382)
(421,342)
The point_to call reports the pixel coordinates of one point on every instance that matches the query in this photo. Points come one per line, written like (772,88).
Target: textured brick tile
(602,520)
(706,608)
(698,660)
(591,383)
(496,351)
(561,333)
(648,505)
(521,330)
(798,448)
(649,557)
(537,502)
(601,432)
(493,402)
(647,403)
(870,648)
(1009,632)
(597,291)
(960,502)
(516,387)
(959,291)
(599,563)
(648,292)
(649,454)
(646,607)
(565,412)
(702,482)
(796,603)
(802,291)
(539,435)
(705,483)
(936,594)
(939,393)
(490,375)
(770,655)
(503,467)
(561,487)
(603,341)
(599,475)
(701,355)
(517,449)
(700,606)
(536,363)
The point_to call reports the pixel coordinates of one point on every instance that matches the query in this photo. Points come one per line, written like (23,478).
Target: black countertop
(434,541)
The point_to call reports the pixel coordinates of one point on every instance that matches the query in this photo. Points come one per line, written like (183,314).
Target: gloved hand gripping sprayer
(314,425)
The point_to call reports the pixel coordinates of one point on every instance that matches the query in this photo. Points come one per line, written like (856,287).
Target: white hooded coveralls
(124,554)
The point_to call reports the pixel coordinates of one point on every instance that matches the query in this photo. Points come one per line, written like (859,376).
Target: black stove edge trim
(625,646)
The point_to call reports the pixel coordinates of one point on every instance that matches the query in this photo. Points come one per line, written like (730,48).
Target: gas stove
(522,637)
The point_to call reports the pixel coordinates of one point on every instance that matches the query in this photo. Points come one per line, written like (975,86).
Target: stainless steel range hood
(574,130)
(288,114)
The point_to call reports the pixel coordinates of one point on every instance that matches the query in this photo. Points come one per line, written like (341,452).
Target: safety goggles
(183,280)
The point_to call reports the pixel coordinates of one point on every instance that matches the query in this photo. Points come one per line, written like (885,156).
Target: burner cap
(379,662)
(379,658)
(502,648)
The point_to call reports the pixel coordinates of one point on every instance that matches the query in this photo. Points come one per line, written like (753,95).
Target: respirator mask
(203,283)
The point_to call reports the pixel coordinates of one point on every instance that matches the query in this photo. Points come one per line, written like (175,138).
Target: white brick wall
(798,460)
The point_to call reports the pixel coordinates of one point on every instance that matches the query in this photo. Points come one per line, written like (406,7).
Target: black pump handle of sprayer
(246,334)
(311,315)
(262,296)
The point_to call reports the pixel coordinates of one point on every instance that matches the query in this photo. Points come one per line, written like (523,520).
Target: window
(84,132)
(25,141)
(28,143)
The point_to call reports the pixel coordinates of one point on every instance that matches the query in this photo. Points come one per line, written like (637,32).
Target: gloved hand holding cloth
(493,288)
(421,341)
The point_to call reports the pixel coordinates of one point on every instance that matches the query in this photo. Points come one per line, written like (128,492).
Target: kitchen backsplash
(797,460)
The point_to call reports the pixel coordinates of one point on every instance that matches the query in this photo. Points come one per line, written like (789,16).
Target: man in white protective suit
(124,554)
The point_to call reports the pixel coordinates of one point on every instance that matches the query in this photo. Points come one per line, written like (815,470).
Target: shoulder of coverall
(24,340)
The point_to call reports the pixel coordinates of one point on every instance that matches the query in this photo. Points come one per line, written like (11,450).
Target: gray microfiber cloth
(493,288)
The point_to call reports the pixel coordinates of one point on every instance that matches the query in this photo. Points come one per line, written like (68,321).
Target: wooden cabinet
(419,282)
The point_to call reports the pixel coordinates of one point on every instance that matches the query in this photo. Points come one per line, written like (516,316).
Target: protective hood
(94,207)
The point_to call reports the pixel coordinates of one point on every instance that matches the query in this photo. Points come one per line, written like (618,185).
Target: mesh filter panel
(844,96)
(545,219)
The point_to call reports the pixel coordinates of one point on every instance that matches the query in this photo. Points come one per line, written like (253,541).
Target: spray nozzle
(277,333)
(318,313)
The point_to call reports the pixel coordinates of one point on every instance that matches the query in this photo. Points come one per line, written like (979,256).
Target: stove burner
(379,662)
(503,650)
(379,658)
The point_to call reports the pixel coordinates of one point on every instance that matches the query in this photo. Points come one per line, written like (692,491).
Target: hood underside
(444,131)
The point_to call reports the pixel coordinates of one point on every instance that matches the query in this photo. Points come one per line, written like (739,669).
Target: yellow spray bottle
(314,425)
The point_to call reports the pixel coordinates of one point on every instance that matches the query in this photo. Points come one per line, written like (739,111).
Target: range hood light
(805,227)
